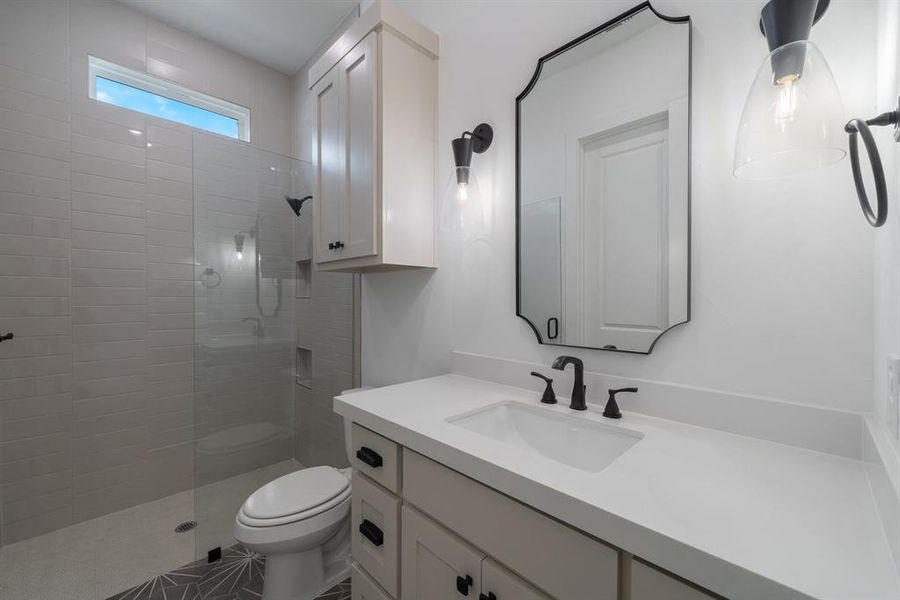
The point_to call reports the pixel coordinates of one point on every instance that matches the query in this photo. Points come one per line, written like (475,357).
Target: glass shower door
(244,354)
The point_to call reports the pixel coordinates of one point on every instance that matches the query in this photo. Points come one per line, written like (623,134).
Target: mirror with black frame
(603,186)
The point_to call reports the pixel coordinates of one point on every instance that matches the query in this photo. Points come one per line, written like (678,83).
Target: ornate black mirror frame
(534,79)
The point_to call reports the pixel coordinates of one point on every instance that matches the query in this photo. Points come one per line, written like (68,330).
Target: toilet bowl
(301,523)
(290,520)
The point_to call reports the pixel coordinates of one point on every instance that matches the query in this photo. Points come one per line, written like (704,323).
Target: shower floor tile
(101,557)
(238,575)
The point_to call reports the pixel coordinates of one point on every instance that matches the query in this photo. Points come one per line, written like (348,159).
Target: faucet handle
(549,396)
(628,389)
(612,407)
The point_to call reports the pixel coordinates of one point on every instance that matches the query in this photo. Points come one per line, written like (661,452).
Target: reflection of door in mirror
(540,256)
(624,198)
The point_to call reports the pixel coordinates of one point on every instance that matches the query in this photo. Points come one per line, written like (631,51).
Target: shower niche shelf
(303,368)
(304,279)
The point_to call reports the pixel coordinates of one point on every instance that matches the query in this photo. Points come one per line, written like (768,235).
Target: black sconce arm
(860,128)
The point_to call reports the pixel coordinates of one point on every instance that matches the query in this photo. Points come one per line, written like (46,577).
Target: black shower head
(296,203)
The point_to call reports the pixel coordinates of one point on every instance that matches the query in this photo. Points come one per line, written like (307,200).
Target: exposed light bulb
(462,192)
(788,101)
(239,255)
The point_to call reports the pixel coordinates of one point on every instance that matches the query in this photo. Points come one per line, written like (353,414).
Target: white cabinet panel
(436,565)
(329,166)
(360,87)
(376,456)
(363,588)
(648,583)
(375,531)
(499,584)
(379,98)
(558,559)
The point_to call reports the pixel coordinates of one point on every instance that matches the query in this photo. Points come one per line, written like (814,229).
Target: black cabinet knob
(371,532)
(331,245)
(338,245)
(463,584)
(370,457)
(7,336)
(490,596)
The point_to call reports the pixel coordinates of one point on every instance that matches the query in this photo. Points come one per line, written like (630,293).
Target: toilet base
(295,576)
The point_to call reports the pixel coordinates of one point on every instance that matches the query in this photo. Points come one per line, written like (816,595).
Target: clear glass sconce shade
(793,119)
(463,206)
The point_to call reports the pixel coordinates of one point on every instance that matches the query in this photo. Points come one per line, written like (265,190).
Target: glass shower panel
(244,352)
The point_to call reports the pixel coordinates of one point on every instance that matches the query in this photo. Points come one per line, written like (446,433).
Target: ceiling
(282,34)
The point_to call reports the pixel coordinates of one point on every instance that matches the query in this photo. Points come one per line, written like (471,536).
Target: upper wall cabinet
(604,186)
(375,91)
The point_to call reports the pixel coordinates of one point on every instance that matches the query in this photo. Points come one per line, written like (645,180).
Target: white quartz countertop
(745,518)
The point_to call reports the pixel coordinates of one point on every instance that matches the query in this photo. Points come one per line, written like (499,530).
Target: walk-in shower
(223,382)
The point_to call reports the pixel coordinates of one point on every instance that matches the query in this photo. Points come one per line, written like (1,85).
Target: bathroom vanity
(462,487)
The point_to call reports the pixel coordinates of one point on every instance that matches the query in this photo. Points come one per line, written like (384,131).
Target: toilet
(298,521)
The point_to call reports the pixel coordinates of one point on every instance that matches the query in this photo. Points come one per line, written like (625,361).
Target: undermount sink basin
(574,441)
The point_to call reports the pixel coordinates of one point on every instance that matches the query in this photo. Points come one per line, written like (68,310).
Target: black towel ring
(860,128)
(207,284)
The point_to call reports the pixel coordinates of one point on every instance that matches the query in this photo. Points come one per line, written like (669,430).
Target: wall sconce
(239,246)
(791,120)
(463,207)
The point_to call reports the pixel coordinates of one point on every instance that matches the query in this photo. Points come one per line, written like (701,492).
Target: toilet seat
(295,497)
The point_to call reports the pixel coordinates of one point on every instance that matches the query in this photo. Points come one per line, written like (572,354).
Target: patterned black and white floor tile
(238,575)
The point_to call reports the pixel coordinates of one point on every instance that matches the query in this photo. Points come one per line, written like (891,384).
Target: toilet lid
(295,493)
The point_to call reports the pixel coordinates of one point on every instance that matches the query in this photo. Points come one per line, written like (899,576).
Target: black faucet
(612,407)
(560,363)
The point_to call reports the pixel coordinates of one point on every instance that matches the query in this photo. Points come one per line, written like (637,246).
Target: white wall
(782,272)
(887,239)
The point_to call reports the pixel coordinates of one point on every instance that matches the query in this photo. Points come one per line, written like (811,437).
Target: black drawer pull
(370,457)
(490,596)
(463,584)
(7,336)
(371,532)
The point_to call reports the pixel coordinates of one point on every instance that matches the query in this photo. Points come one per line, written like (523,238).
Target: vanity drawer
(363,588)
(554,557)
(376,456)
(374,531)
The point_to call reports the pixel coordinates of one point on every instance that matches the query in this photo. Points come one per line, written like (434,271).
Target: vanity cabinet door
(436,565)
(499,584)
(360,84)
(363,588)
(648,583)
(329,157)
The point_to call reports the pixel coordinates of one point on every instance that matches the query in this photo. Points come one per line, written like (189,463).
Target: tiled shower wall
(95,260)
(325,322)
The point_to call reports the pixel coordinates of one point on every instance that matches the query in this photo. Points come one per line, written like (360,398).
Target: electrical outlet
(892,415)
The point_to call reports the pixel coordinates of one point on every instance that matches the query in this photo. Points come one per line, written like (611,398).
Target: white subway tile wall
(323,324)
(96,276)
(243,361)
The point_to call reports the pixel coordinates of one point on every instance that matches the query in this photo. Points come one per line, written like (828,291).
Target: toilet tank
(348,447)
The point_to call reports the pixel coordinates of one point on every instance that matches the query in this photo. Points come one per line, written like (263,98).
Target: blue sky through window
(119,94)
